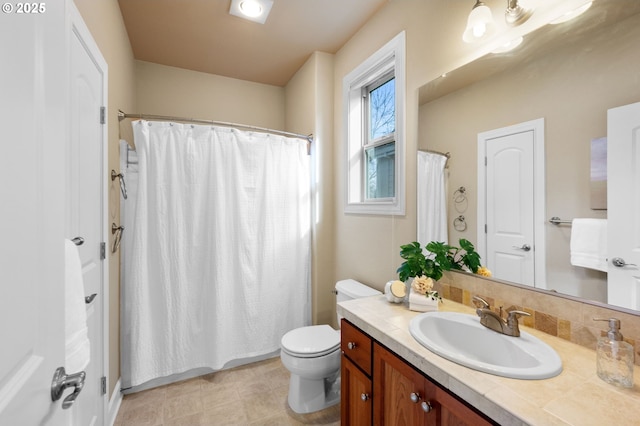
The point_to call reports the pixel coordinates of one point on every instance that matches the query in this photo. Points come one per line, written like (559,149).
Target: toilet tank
(352,289)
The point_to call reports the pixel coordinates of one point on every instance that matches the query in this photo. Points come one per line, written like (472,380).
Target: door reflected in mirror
(586,68)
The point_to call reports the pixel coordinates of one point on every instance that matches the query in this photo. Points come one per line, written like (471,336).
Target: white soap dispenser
(614,356)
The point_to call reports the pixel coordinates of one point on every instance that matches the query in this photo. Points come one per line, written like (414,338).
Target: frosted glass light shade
(569,15)
(480,24)
(507,47)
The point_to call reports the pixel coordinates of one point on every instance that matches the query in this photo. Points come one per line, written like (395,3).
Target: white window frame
(390,57)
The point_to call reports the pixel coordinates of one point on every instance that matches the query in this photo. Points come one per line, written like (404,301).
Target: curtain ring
(459,223)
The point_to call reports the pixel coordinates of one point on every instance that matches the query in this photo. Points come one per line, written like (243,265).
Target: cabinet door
(356,390)
(356,345)
(452,412)
(403,396)
(398,392)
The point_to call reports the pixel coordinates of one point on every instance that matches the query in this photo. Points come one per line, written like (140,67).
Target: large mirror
(569,75)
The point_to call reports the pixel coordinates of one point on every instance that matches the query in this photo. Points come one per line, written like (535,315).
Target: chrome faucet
(494,321)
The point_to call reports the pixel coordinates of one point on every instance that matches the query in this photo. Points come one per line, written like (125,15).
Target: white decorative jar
(395,291)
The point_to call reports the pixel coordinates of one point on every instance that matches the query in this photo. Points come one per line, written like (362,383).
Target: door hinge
(103,117)
(103,251)
(485,161)
(485,228)
(103,385)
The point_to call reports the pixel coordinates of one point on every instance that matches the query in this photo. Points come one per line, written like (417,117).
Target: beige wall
(104,20)
(572,88)
(165,90)
(367,247)
(309,109)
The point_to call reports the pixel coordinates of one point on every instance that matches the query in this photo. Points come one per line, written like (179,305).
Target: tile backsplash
(568,319)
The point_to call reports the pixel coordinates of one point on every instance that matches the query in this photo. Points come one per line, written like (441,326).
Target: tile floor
(254,394)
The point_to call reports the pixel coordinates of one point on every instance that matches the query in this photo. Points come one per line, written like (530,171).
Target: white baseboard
(114,404)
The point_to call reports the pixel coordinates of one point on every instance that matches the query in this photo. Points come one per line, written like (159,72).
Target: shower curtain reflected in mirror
(216,259)
(431,198)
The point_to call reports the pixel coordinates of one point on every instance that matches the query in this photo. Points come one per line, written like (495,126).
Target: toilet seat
(311,342)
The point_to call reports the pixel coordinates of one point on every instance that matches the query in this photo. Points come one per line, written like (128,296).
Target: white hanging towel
(589,243)
(77,349)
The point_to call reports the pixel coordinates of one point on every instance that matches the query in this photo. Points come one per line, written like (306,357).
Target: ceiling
(201,35)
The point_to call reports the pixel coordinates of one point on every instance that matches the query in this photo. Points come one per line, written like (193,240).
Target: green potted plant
(423,270)
(463,258)
(444,257)
(416,263)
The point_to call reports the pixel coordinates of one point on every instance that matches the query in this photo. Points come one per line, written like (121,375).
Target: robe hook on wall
(123,186)
(117,231)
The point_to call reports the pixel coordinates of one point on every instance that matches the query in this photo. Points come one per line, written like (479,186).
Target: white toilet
(312,356)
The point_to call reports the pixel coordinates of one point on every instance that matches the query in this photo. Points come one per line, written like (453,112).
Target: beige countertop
(575,397)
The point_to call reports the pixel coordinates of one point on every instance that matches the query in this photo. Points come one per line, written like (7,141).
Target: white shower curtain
(432,198)
(218,249)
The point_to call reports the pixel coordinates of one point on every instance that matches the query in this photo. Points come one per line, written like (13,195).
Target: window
(374,104)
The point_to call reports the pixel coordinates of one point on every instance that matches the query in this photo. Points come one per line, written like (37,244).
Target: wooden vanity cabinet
(356,391)
(403,396)
(356,386)
(379,388)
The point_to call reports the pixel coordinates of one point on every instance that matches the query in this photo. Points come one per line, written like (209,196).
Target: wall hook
(117,231)
(123,186)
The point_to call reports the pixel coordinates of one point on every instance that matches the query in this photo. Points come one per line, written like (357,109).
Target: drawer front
(356,345)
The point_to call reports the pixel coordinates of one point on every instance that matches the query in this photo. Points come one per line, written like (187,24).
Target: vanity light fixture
(515,14)
(253,10)
(512,44)
(480,24)
(567,16)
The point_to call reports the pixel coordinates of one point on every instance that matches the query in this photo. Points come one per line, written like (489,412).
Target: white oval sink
(462,339)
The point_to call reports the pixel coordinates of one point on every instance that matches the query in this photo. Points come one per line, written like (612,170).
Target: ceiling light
(515,14)
(253,10)
(250,8)
(480,24)
(567,16)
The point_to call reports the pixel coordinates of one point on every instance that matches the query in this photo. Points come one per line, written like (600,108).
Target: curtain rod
(122,115)
(444,154)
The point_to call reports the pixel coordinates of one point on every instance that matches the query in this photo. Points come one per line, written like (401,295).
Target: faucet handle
(480,302)
(515,314)
(513,326)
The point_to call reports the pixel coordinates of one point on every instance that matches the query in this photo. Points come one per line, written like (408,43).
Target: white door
(507,207)
(623,202)
(86,185)
(32,163)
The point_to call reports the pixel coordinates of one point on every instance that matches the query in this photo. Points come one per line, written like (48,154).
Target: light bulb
(251,8)
(480,23)
(479,30)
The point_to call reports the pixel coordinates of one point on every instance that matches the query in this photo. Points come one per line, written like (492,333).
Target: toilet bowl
(312,356)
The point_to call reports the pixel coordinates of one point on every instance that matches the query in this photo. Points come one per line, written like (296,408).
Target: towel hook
(117,231)
(123,186)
